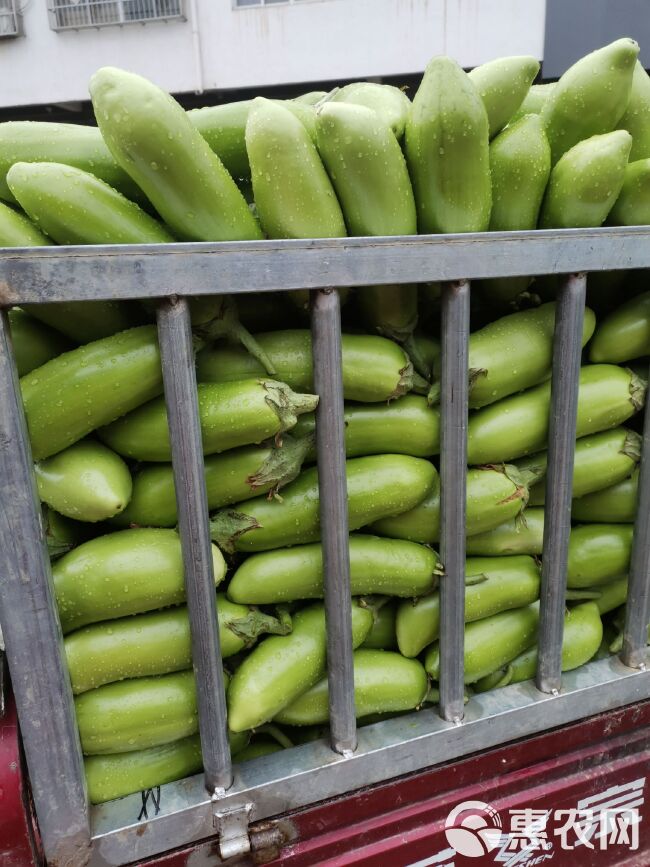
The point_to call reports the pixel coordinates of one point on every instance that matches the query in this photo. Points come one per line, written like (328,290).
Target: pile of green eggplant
(470,152)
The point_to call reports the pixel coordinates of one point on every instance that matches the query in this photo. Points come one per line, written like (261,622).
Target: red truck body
(401,823)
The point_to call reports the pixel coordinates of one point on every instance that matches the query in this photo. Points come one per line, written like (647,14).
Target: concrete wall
(221,47)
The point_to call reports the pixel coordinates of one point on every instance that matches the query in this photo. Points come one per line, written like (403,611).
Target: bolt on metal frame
(114,833)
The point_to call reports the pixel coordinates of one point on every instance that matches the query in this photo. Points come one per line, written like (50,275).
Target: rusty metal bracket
(232,827)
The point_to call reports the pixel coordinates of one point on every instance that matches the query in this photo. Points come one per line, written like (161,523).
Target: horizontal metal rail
(120,832)
(40,274)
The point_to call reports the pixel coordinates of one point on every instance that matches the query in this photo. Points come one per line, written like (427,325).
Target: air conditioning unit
(10,20)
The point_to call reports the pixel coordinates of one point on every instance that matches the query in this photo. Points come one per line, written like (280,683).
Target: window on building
(9,20)
(77,14)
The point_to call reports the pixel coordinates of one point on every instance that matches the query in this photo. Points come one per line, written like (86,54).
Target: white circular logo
(473,828)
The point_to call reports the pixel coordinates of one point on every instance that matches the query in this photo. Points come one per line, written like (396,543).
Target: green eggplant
(523,534)
(494,495)
(378,486)
(27,141)
(392,567)
(407,426)
(293,194)
(311,97)
(598,553)
(632,207)
(375,369)
(591,97)
(17,230)
(503,84)
(86,321)
(493,584)
(122,573)
(390,103)
(382,636)
(615,505)
(156,642)
(533,101)
(583,632)
(520,165)
(90,386)
(517,425)
(224,129)
(115,775)
(152,139)
(514,352)
(636,119)
(86,481)
(384,681)
(600,460)
(131,715)
(491,643)
(33,342)
(625,333)
(232,414)
(586,182)
(229,477)
(280,668)
(75,207)
(447,151)
(367,168)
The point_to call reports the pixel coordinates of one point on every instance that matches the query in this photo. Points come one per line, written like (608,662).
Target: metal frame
(275,784)
(36,275)
(454,390)
(567,352)
(179,378)
(333,503)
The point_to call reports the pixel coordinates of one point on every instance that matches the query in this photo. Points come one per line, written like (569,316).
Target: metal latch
(232,827)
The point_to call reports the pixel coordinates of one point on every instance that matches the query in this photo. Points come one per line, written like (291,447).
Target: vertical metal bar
(567,352)
(453,493)
(179,375)
(32,634)
(637,609)
(333,495)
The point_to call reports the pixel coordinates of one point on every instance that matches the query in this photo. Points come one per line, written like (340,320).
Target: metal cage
(223,800)
(81,14)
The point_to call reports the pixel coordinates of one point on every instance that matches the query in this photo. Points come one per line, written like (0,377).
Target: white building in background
(194,46)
